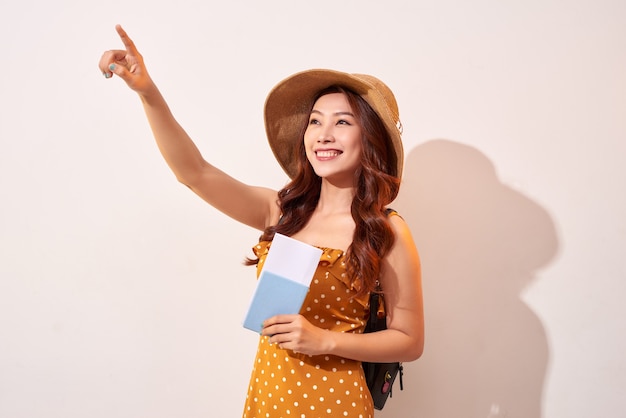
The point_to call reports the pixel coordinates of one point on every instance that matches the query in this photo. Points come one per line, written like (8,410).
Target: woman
(337,136)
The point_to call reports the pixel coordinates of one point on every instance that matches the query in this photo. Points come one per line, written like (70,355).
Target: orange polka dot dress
(285,384)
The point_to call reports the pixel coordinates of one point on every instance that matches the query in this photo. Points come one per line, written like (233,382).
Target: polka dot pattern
(285,384)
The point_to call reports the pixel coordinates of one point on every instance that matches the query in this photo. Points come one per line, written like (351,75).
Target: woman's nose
(326,136)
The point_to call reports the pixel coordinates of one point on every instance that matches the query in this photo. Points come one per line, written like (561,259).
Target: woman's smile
(327,154)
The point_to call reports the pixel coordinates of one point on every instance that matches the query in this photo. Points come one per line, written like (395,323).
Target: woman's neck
(334,200)
(331,224)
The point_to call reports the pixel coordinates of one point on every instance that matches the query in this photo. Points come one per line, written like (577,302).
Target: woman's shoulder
(400,228)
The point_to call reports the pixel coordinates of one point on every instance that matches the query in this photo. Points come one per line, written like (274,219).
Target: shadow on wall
(480,242)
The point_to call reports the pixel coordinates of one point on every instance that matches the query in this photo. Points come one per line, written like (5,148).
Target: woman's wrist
(330,341)
(150,95)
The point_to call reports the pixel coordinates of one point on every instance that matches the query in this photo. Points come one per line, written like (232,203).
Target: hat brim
(289,103)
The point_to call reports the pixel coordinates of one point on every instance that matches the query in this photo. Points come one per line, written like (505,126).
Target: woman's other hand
(294,332)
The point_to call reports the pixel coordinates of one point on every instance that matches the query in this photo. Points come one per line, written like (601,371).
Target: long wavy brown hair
(377,182)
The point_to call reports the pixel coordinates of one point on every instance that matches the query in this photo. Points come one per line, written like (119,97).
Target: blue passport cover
(274,295)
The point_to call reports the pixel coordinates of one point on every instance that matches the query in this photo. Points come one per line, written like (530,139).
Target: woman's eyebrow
(341,113)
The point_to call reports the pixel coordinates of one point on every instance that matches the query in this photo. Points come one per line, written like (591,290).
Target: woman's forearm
(383,346)
(177,148)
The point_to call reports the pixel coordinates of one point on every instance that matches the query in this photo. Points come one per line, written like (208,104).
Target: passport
(283,282)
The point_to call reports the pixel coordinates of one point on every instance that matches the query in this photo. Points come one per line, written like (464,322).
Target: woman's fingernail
(112,67)
(107,75)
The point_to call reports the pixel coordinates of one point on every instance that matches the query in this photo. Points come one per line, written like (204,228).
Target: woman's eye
(314,122)
(343,122)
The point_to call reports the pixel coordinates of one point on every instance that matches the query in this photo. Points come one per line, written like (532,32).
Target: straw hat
(288,106)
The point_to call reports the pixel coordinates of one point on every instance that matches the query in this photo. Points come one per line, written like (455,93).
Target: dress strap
(390,212)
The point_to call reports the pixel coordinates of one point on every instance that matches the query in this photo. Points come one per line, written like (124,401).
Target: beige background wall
(122,294)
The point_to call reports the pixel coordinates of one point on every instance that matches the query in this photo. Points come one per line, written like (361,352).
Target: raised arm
(253,206)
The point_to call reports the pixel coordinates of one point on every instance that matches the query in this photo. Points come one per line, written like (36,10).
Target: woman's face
(333,138)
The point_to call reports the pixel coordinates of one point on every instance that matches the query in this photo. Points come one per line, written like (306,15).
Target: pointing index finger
(128,43)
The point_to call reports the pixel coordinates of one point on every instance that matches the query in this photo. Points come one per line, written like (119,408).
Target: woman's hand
(294,332)
(127,64)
